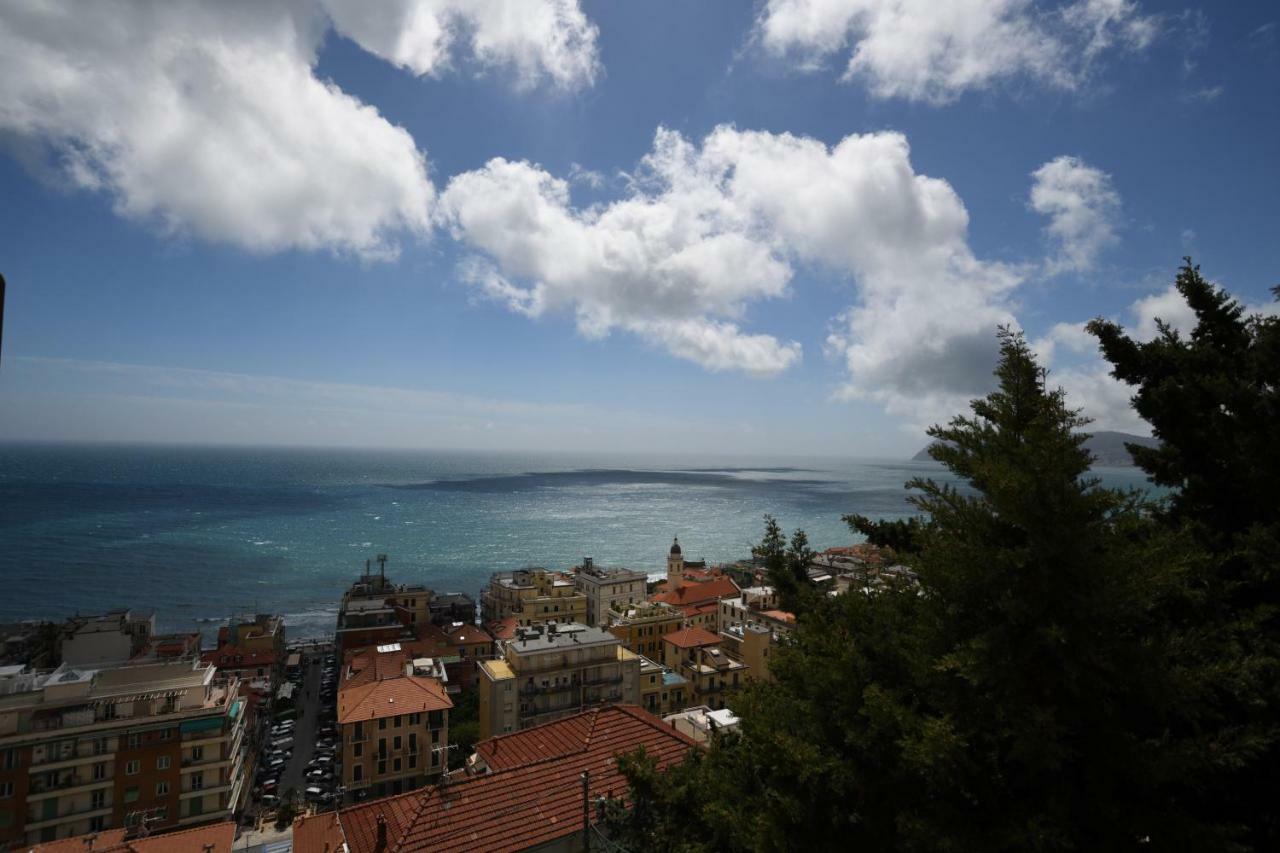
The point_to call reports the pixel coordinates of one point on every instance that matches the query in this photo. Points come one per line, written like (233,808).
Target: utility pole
(586,811)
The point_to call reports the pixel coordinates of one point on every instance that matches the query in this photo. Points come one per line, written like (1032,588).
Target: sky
(782,227)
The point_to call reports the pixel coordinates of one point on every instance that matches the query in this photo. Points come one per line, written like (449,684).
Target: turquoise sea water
(198,533)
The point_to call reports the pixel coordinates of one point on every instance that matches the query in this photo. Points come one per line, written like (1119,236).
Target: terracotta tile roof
(503,629)
(780,615)
(691,638)
(534,800)
(320,833)
(700,593)
(197,840)
(469,635)
(374,685)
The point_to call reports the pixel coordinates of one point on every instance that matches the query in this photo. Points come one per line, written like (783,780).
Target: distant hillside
(1107,447)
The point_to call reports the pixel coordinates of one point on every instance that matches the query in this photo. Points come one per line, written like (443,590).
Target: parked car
(314,792)
(270,800)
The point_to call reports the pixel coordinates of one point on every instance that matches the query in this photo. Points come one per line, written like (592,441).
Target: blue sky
(287,223)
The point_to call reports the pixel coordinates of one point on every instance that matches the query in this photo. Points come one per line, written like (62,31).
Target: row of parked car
(323,773)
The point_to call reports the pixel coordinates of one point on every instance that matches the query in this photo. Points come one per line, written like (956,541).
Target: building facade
(154,745)
(533,597)
(393,716)
(712,674)
(608,590)
(553,671)
(641,627)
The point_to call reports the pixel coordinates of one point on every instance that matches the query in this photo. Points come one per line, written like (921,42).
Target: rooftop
(375,685)
(570,635)
(213,838)
(320,833)
(691,638)
(532,797)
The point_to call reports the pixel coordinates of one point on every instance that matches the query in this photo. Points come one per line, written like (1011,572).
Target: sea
(199,534)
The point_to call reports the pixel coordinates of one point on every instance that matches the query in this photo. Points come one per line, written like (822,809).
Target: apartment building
(608,590)
(551,671)
(153,745)
(712,674)
(534,597)
(113,637)
(642,626)
(661,691)
(699,601)
(393,716)
(751,627)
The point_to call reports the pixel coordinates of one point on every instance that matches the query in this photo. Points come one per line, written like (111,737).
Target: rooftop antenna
(444,761)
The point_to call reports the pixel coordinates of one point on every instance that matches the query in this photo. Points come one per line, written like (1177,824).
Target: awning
(207,724)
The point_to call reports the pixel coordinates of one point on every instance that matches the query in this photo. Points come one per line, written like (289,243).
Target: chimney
(382,834)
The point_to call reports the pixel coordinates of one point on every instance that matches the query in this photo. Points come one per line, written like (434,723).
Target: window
(197,753)
(162,762)
(397,765)
(165,734)
(12,759)
(99,771)
(135,740)
(413,760)
(162,789)
(132,767)
(358,750)
(395,744)
(415,719)
(97,824)
(100,746)
(358,734)
(413,742)
(382,724)
(357,773)
(98,799)
(382,767)
(161,813)
(131,794)
(197,781)
(6,789)
(399,722)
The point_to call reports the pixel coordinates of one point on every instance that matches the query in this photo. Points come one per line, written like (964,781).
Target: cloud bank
(209,119)
(934,52)
(708,231)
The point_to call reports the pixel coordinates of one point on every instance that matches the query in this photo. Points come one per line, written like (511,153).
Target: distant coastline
(1108,448)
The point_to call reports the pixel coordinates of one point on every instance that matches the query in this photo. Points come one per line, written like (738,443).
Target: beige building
(661,691)
(608,591)
(641,627)
(751,627)
(712,674)
(155,745)
(552,671)
(534,597)
(393,716)
(113,637)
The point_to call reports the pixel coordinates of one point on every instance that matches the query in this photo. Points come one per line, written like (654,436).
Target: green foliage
(464,726)
(1018,698)
(787,564)
(1213,399)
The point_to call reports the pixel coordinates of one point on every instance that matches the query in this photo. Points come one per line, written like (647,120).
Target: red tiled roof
(691,638)
(503,629)
(198,840)
(780,615)
(374,685)
(320,833)
(469,635)
(700,593)
(533,800)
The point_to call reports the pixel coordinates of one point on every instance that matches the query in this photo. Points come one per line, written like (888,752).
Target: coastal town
(406,729)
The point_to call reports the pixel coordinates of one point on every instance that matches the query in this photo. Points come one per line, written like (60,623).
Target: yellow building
(661,691)
(552,671)
(534,597)
(641,627)
(712,674)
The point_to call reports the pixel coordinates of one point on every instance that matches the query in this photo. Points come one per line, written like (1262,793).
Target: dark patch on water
(609,477)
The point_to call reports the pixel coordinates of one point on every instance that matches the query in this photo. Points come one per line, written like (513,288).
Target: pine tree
(1213,399)
(1014,699)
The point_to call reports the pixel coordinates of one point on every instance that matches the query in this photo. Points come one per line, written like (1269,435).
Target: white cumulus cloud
(935,51)
(1082,207)
(707,231)
(208,119)
(537,39)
